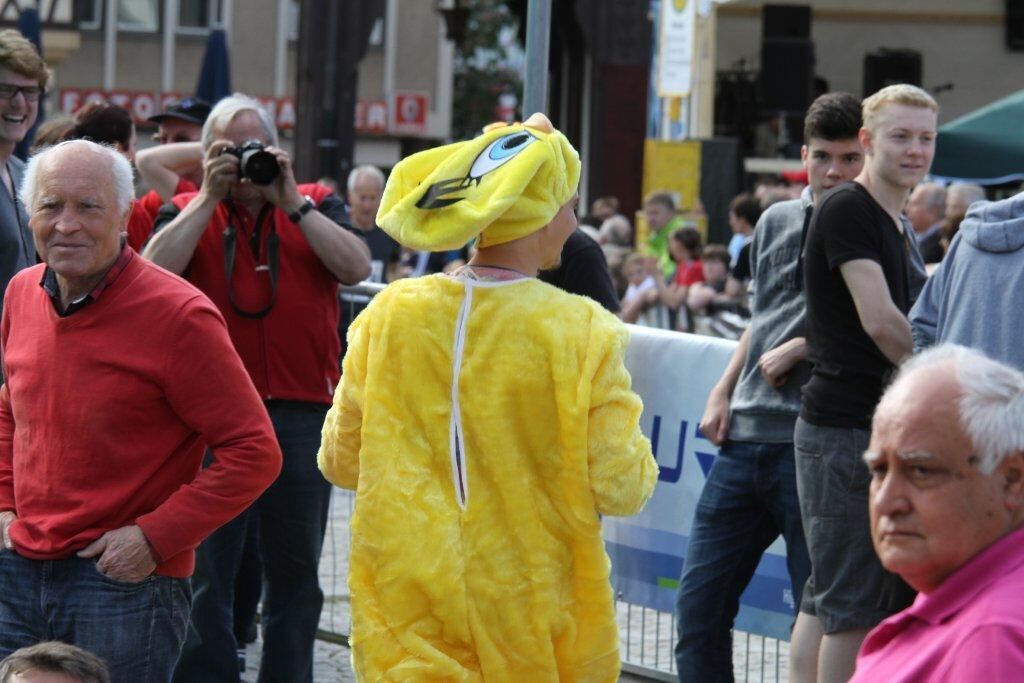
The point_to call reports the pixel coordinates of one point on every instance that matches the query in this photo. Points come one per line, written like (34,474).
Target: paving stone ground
(330,664)
(647,636)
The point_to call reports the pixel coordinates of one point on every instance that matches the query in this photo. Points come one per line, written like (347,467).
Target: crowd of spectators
(674,280)
(858,235)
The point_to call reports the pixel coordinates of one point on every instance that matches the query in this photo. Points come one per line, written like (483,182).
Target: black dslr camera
(255,162)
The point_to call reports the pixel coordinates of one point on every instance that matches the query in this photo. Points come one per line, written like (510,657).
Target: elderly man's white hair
(230,107)
(992,404)
(968,192)
(121,171)
(935,196)
(365,169)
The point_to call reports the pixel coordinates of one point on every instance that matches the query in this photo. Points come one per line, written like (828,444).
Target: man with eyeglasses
(23,76)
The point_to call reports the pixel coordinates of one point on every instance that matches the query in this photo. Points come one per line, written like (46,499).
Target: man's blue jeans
(748,500)
(137,629)
(292,517)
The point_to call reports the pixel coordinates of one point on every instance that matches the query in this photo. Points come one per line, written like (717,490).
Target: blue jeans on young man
(136,628)
(292,517)
(749,498)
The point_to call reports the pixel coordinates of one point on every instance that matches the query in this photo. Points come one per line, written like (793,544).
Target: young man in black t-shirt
(859,281)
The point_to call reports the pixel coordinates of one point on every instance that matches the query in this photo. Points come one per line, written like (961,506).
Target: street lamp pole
(538,45)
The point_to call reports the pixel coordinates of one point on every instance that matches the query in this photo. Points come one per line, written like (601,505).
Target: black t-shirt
(384,251)
(584,271)
(741,271)
(850,370)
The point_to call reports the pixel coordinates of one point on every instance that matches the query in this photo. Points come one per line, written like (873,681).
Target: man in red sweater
(118,374)
(270,257)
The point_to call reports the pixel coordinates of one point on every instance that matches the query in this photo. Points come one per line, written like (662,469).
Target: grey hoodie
(760,412)
(971,299)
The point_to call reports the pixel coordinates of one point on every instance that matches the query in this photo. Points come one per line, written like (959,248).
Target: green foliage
(484,66)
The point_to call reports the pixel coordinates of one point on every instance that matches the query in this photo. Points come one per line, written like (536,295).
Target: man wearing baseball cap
(171,171)
(181,121)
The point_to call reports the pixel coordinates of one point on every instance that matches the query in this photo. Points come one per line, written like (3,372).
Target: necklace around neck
(498,273)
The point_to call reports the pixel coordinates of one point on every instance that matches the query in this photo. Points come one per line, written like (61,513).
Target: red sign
(282,110)
(410,112)
(372,116)
(143,104)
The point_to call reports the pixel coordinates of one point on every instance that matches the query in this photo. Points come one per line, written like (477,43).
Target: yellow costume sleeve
(623,471)
(338,458)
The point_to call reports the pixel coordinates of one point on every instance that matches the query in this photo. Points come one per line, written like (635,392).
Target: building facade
(140,53)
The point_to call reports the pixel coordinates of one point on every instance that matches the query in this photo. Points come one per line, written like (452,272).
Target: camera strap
(231,249)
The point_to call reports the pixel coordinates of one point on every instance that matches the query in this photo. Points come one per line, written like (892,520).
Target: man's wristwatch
(307,206)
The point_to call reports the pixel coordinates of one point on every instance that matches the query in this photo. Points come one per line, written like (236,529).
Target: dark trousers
(248,584)
(749,499)
(136,628)
(292,517)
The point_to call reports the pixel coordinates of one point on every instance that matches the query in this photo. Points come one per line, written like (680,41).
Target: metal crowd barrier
(647,635)
(724,324)
(648,638)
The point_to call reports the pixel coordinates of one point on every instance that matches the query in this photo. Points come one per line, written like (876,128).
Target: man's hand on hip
(124,554)
(7,518)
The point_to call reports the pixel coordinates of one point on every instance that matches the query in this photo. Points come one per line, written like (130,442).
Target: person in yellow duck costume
(485,420)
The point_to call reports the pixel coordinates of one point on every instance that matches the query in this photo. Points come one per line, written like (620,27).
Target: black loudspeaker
(1015,24)
(787,74)
(786,21)
(886,67)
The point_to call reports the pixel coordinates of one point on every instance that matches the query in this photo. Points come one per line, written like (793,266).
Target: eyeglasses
(9,92)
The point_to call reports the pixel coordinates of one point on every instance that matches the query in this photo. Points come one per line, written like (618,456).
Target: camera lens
(259,166)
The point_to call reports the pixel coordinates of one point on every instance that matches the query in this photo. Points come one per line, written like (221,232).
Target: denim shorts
(848,587)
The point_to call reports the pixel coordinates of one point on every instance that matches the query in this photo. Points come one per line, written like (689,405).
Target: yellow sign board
(673,167)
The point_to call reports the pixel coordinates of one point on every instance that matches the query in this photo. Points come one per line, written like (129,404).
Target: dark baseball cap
(190,109)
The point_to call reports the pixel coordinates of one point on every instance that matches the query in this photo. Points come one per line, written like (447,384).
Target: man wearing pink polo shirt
(947,507)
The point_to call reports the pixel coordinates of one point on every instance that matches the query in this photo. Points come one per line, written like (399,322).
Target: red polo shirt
(292,352)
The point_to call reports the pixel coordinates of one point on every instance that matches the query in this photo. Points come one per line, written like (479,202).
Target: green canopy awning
(985,146)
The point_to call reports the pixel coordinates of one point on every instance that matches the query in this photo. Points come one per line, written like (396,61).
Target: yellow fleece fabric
(514,585)
(497,187)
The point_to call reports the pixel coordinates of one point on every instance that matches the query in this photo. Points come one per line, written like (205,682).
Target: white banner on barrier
(674,374)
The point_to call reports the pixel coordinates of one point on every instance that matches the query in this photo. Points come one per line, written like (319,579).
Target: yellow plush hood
(498,187)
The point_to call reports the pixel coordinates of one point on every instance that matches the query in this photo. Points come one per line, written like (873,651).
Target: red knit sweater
(105,414)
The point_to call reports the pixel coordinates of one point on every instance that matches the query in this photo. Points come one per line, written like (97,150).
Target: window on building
(91,14)
(200,15)
(138,15)
(293,20)
(377,33)
(132,15)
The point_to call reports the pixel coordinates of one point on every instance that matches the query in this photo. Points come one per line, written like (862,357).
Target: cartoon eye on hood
(500,152)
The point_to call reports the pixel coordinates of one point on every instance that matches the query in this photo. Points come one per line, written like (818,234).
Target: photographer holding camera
(269,253)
